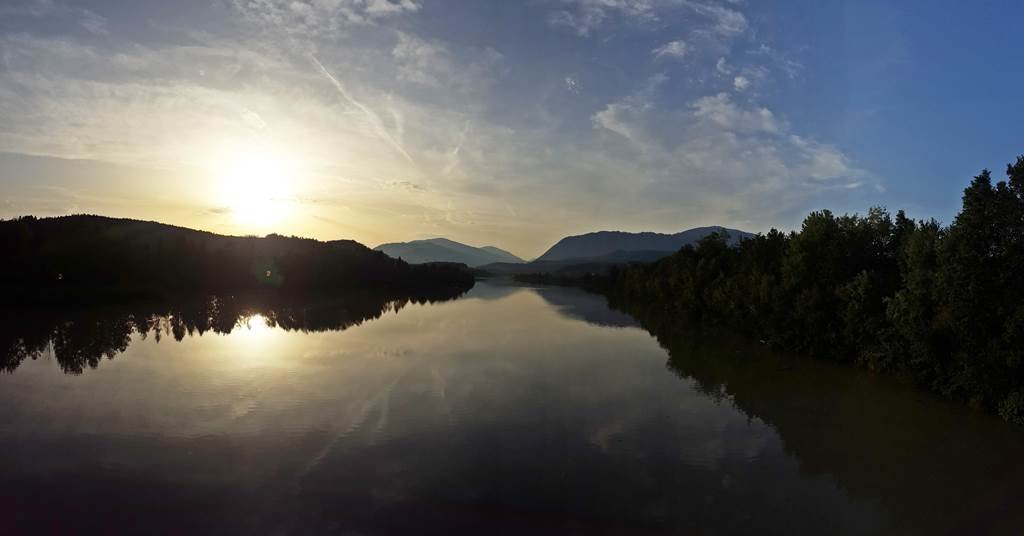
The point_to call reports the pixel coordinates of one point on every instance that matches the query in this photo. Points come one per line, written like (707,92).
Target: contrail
(372,117)
(453,155)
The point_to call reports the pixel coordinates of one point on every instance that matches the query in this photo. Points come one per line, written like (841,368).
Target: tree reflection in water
(878,438)
(79,338)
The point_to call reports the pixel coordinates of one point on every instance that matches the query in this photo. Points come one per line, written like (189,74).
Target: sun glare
(254,341)
(256,187)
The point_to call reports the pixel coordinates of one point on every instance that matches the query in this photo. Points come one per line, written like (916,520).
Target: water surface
(508,410)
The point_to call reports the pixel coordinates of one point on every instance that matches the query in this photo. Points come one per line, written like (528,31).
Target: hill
(603,244)
(95,257)
(444,250)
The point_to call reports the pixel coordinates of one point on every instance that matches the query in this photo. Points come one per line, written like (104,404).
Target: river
(508,410)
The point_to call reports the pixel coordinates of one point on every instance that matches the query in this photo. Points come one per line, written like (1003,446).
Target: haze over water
(508,410)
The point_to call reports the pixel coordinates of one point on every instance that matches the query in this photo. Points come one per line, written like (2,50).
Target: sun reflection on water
(256,339)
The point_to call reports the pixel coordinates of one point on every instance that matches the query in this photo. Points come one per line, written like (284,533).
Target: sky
(510,123)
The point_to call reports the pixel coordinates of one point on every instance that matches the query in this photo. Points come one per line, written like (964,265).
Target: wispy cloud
(729,155)
(778,60)
(404,185)
(312,18)
(371,117)
(421,61)
(585,16)
(572,84)
(253,119)
(620,117)
(85,18)
(726,21)
(723,112)
(672,50)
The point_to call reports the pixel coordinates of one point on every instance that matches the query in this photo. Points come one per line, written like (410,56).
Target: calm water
(508,410)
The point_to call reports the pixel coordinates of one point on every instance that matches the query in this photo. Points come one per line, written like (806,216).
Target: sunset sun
(256,187)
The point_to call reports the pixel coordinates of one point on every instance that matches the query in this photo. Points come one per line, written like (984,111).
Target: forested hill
(51,258)
(942,305)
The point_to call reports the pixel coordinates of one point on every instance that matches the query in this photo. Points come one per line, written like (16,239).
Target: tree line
(941,305)
(94,258)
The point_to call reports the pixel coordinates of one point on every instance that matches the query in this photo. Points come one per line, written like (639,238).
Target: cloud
(93,23)
(585,16)
(377,8)
(722,111)
(720,157)
(408,186)
(672,50)
(311,18)
(572,85)
(432,64)
(420,61)
(253,119)
(727,22)
(612,118)
(778,60)
(823,162)
(619,117)
(740,83)
(85,18)
(581,23)
(138,105)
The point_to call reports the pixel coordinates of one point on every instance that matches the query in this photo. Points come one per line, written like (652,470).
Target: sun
(256,187)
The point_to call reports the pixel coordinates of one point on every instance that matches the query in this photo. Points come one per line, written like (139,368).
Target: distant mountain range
(573,254)
(625,246)
(595,252)
(444,250)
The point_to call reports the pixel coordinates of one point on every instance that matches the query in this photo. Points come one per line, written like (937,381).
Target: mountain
(444,250)
(598,252)
(609,245)
(94,257)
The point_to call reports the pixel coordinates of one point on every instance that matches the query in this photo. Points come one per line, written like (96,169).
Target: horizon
(370,246)
(511,126)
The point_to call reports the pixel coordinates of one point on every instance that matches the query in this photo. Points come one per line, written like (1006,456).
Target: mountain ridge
(603,243)
(598,251)
(446,250)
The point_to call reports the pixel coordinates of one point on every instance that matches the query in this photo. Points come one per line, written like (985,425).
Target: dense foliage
(90,257)
(943,305)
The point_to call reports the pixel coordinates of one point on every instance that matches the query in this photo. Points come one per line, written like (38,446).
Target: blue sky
(504,123)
